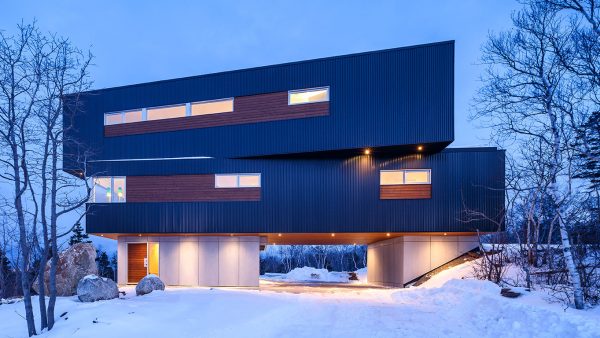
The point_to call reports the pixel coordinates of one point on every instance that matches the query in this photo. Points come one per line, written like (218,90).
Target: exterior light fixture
(279,235)
(101,235)
(367,151)
(332,235)
(445,234)
(388,234)
(139,235)
(420,148)
(354,244)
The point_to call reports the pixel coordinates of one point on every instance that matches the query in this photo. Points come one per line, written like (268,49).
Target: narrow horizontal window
(237,181)
(132,116)
(308,95)
(113,118)
(212,107)
(406,176)
(162,113)
(108,190)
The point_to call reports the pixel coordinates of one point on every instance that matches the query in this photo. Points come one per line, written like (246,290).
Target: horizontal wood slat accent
(246,109)
(405,191)
(184,188)
(135,262)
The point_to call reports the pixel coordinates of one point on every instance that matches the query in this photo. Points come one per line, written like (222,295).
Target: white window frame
(404,171)
(237,180)
(296,91)
(112,189)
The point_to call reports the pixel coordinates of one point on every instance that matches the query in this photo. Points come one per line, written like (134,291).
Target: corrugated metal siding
(331,195)
(385,98)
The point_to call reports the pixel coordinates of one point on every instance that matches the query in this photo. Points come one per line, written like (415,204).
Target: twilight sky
(140,41)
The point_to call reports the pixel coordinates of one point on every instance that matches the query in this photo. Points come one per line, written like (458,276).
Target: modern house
(193,176)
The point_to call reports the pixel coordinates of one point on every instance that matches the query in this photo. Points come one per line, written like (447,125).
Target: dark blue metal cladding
(317,195)
(401,96)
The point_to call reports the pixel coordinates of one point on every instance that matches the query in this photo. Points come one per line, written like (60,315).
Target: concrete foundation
(397,261)
(200,260)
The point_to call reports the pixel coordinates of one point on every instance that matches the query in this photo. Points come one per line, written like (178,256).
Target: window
(113,118)
(108,190)
(162,113)
(406,176)
(132,116)
(212,107)
(237,181)
(308,95)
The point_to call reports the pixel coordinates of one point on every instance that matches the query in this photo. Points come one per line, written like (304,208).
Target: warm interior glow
(212,107)
(309,96)
(226,181)
(153,258)
(132,116)
(416,177)
(165,112)
(391,177)
(110,119)
(249,181)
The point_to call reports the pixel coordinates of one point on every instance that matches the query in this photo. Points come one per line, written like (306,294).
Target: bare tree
(525,98)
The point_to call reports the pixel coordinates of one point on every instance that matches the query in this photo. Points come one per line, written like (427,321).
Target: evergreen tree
(79,236)
(590,141)
(104,268)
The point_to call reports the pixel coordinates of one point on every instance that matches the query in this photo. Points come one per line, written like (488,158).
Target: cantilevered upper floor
(396,99)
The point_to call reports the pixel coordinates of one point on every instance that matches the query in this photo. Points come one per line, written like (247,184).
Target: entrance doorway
(142,259)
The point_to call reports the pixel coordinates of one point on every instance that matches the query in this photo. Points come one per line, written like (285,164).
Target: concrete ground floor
(220,260)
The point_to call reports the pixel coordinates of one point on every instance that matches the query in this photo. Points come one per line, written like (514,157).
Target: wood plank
(136,252)
(184,188)
(405,191)
(247,109)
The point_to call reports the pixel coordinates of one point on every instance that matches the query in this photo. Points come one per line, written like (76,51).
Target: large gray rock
(149,284)
(92,288)
(74,263)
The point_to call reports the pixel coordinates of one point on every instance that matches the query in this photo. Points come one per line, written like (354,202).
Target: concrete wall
(200,260)
(397,261)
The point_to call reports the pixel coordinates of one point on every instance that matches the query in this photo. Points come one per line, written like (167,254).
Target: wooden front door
(137,262)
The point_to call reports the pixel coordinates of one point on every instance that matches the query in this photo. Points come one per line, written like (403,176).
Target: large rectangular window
(405,176)
(108,190)
(212,107)
(169,112)
(308,95)
(237,181)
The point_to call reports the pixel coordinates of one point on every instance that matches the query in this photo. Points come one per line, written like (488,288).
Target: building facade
(193,176)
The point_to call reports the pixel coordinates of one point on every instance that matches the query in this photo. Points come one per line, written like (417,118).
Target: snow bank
(308,274)
(362,276)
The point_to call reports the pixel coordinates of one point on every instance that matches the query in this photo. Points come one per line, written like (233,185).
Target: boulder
(92,288)
(149,284)
(74,263)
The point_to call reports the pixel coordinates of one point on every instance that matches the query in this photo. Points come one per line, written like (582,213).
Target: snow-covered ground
(308,274)
(445,306)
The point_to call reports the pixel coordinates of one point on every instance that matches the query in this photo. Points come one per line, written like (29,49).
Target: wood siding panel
(405,191)
(184,188)
(246,109)
(136,253)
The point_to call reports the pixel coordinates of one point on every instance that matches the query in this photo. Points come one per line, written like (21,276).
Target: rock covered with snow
(74,263)
(308,274)
(149,284)
(92,288)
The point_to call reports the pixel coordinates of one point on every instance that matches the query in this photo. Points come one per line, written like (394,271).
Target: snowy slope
(442,307)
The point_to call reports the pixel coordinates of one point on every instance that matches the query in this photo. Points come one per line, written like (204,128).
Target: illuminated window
(113,118)
(237,181)
(108,190)
(162,113)
(308,95)
(132,116)
(212,107)
(406,176)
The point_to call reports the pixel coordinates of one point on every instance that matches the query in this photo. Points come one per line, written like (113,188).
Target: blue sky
(140,41)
